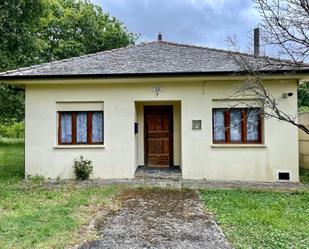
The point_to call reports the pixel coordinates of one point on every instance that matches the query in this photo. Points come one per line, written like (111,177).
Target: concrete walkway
(159,218)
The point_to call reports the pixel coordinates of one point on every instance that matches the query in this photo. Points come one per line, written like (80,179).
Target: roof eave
(280,74)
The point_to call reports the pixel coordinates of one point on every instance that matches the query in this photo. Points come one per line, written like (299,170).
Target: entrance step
(171,173)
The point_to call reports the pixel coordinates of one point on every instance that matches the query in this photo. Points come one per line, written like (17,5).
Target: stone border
(181,183)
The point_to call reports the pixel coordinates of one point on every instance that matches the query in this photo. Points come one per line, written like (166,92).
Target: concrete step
(171,173)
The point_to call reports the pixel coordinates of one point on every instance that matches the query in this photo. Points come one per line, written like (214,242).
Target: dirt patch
(158,218)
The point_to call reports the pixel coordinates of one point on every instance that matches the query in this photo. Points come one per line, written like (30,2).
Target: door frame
(170,110)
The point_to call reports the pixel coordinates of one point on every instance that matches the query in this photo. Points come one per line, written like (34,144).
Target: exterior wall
(123,152)
(303,141)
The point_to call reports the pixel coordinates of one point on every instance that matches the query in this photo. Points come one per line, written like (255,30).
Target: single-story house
(156,104)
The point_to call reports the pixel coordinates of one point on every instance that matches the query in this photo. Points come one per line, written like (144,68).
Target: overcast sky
(200,22)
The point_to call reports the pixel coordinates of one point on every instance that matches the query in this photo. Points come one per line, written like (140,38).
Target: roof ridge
(21,69)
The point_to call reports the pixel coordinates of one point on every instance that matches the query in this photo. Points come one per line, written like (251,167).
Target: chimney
(159,36)
(256,41)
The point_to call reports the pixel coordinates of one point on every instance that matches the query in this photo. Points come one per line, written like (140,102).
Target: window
(82,127)
(237,125)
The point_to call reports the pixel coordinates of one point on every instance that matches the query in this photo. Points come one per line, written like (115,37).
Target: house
(156,104)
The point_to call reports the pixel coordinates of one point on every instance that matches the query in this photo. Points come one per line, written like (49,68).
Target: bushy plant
(12,130)
(303,109)
(82,168)
(36,179)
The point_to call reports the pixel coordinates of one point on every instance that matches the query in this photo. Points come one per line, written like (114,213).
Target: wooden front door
(158,136)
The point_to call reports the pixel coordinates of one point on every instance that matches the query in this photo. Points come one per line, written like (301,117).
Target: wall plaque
(196,124)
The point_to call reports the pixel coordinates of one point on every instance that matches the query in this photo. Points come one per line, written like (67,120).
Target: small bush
(36,179)
(12,130)
(82,168)
(302,109)
(58,179)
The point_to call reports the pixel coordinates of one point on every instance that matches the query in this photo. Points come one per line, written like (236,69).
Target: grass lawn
(35,217)
(32,216)
(253,219)
(11,159)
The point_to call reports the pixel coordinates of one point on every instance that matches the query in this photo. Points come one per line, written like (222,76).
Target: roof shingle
(152,57)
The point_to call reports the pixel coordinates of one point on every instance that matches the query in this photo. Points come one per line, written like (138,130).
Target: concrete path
(182,183)
(159,218)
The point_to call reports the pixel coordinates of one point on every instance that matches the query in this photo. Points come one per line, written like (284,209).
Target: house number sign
(156,90)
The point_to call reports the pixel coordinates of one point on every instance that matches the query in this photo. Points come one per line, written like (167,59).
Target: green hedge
(303,109)
(12,130)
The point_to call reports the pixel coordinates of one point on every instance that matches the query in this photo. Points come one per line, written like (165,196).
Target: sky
(197,22)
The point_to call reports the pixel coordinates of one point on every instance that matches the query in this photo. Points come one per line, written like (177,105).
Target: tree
(37,31)
(12,104)
(285,25)
(18,22)
(303,96)
(18,48)
(76,27)
(285,28)
(253,88)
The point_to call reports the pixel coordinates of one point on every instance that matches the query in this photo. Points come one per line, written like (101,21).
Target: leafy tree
(18,22)
(303,96)
(37,31)
(18,47)
(12,104)
(76,27)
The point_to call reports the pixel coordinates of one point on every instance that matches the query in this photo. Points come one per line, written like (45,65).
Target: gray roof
(151,58)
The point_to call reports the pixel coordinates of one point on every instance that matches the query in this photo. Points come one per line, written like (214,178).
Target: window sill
(81,146)
(238,146)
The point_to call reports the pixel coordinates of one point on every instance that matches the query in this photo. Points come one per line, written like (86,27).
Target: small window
(237,125)
(80,127)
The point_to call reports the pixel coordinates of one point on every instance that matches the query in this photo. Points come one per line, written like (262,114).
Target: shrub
(36,179)
(12,130)
(82,168)
(303,109)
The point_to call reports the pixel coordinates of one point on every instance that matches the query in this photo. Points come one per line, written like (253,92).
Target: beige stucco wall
(303,141)
(123,149)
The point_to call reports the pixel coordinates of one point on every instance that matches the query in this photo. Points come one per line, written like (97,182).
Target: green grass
(304,175)
(253,219)
(32,216)
(11,159)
